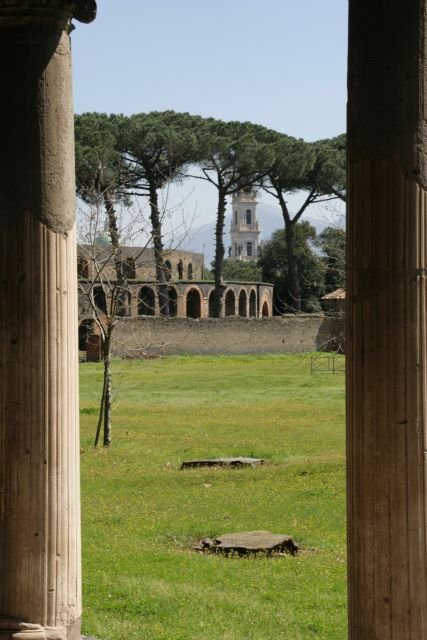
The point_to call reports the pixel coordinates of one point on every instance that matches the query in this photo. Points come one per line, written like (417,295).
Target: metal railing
(327,364)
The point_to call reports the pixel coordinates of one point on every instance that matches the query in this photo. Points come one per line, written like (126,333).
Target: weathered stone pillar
(39,462)
(181,303)
(134,301)
(205,306)
(387,320)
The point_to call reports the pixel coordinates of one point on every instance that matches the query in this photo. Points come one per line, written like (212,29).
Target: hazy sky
(280,63)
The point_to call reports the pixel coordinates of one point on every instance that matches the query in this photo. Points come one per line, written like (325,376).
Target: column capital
(24,11)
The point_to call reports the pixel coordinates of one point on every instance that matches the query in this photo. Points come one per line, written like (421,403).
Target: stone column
(387,320)
(156,299)
(39,449)
(204,306)
(134,301)
(181,303)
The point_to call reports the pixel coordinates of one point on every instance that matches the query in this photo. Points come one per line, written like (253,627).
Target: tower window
(248,216)
(249,249)
(235,217)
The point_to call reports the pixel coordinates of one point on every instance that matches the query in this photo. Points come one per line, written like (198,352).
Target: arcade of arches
(189,295)
(187,299)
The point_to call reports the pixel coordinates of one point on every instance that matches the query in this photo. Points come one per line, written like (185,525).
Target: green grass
(141,513)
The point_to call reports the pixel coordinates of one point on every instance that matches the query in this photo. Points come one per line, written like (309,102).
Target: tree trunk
(293,275)
(113,230)
(104,418)
(101,413)
(219,256)
(156,227)
(107,396)
(116,305)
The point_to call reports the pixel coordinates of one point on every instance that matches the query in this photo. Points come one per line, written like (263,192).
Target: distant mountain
(202,239)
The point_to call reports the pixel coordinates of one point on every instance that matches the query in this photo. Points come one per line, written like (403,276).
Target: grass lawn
(141,513)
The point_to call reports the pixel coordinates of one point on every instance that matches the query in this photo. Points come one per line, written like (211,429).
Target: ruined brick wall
(166,336)
(141,262)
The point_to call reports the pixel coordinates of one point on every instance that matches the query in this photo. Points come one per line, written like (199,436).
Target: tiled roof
(339,294)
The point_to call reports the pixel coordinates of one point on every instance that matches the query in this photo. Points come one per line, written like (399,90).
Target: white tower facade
(244,229)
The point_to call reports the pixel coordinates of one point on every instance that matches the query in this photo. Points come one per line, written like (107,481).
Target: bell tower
(244,229)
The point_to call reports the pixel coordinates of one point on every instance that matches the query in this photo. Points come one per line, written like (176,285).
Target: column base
(13,629)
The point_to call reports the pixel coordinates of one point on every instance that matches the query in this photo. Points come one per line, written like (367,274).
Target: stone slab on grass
(223,462)
(246,542)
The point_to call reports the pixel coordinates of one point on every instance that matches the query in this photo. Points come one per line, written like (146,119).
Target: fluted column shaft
(40,592)
(387,321)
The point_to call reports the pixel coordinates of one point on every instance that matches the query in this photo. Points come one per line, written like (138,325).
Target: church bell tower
(244,230)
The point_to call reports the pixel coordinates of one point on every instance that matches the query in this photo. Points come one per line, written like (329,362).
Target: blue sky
(280,63)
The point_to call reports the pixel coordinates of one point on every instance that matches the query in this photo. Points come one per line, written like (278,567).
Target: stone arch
(193,304)
(146,302)
(85,330)
(230,303)
(265,310)
(190,271)
(173,302)
(168,270)
(252,304)
(243,304)
(100,299)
